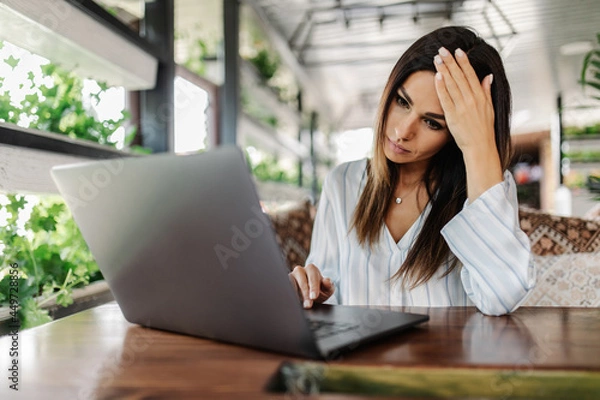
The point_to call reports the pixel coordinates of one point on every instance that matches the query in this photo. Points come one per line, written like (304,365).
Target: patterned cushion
(553,235)
(566,280)
(293,228)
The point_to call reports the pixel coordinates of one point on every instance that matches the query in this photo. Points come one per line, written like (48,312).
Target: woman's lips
(397,148)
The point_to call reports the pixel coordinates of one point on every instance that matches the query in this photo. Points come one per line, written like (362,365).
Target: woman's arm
(486,236)
(317,281)
(469,114)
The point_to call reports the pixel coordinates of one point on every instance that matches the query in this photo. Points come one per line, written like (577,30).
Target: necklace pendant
(398,200)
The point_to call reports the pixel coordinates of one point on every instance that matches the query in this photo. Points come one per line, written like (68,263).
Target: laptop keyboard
(323,329)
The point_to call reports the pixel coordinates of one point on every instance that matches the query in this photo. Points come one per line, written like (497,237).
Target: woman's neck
(409,176)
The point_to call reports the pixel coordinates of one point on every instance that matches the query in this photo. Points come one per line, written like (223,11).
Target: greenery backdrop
(38,233)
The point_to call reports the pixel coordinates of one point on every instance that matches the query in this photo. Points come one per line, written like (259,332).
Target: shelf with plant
(589,132)
(39,235)
(197,52)
(37,94)
(583,156)
(262,65)
(37,232)
(254,91)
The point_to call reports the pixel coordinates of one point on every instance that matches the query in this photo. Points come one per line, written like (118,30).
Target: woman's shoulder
(348,171)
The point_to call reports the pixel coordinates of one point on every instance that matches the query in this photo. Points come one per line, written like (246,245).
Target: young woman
(432,218)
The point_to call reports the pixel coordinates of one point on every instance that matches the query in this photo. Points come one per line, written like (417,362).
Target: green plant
(583,155)
(590,71)
(269,169)
(581,131)
(53,100)
(196,61)
(50,252)
(48,248)
(266,63)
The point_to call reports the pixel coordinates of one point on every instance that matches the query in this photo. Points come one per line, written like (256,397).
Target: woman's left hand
(466,102)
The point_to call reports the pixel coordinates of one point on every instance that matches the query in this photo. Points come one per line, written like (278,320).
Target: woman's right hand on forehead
(310,285)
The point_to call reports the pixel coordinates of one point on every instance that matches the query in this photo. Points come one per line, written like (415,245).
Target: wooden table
(96,354)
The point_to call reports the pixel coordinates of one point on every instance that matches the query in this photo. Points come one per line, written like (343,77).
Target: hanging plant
(590,72)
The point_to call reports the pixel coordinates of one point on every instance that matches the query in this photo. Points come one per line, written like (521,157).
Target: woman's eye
(401,101)
(433,125)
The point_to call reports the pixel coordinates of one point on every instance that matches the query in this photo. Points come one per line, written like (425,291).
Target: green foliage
(268,169)
(266,63)
(257,110)
(583,155)
(51,255)
(55,102)
(581,131)
(196,61)
(590,71)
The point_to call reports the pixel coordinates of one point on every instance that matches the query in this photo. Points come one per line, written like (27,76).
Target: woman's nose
(404,130)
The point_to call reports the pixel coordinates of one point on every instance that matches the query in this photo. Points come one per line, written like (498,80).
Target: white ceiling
(348,52)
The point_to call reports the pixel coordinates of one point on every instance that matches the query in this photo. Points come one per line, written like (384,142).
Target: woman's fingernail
(491,78)
(313,295)
(459,53)
(437,59)
(438,76)
(443,52)
(306,303)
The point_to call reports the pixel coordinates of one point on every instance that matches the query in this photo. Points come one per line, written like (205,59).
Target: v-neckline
(402,243)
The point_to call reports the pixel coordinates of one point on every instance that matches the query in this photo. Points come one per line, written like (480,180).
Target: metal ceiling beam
(311,93)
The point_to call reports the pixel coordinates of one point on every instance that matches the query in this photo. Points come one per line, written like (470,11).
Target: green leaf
(31,98)
(46,224)
(64,298)
(595,85)
(31,315)
(48,69)
(12,61)
(17,202)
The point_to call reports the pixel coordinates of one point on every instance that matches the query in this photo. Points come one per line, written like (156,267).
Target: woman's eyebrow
(428,114)
(436,116)
(406,96)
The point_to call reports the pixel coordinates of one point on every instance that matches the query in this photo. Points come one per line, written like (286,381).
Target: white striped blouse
(495,272)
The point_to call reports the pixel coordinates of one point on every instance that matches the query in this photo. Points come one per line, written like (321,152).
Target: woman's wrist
(484,171)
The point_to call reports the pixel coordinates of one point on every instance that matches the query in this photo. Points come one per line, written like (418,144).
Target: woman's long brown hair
(445,177)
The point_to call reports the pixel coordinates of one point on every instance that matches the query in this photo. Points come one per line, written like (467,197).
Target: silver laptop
(185,247)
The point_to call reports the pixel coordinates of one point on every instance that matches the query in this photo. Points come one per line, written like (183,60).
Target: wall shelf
(27,155)
(65,34)
(270,138)
(266,95)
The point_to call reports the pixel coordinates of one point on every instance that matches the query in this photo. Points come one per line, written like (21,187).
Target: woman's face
(415,128)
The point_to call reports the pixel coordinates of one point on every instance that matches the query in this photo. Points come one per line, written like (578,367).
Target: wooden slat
(28,170)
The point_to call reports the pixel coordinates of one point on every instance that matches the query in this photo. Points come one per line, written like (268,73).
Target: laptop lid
(185,247)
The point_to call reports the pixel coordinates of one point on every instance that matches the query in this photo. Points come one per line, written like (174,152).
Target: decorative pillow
(566,280)
(293,228)
(553,235)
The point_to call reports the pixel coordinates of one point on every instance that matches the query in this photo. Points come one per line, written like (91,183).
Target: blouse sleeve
(486,236)
(324,249)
